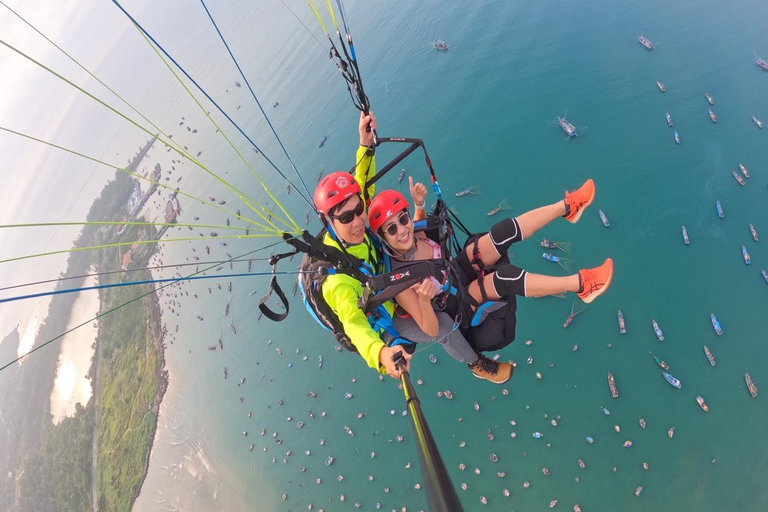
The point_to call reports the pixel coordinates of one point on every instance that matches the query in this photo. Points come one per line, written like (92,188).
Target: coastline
(158,332)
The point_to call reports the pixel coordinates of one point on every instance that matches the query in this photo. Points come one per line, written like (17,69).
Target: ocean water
(487,111)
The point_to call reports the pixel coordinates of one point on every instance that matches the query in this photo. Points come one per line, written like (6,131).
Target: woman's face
(398,232)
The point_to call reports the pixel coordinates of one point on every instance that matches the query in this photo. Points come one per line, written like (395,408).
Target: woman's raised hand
(418,192)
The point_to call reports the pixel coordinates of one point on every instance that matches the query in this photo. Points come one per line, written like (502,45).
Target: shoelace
(488,365)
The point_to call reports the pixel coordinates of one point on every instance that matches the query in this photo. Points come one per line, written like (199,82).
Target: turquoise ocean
(487,111)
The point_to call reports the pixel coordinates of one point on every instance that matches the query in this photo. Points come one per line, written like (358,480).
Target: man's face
(353,232)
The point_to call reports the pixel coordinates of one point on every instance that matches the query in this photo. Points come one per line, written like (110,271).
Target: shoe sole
(599,292)
(489,380)
(584,207)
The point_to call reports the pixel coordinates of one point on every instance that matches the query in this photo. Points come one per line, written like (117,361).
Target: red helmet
(334,189)
(385,206)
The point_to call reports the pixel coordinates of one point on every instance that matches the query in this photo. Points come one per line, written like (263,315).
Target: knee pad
(504,233)
(509,280)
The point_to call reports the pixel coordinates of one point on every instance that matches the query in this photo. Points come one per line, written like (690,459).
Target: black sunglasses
(347,217)
(403,220)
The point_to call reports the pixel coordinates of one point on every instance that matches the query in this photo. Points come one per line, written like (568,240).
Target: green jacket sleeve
(343,300)
(365,168)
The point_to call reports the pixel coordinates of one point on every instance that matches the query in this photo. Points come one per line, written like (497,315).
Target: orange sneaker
(594,281)
(576,201)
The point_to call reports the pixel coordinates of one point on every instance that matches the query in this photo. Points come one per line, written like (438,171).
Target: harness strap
(275,317)
(385,287)
(380,320)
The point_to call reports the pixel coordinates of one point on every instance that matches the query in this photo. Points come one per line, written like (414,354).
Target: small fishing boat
(432,358)
(329,460)
(549,244)
(349,431)
(657,330)
(661,86)
(622,325)
(639,491)
(645,42)
(671,432)
(738,178)
(348,395)
(503,205)
(757,122)
(674,382)
(401,175)
(582,465)
(765,275)
(661,363)
(702,404)
(709,98)
(686,240)
(603,218)
(743,170)
(719,208)
(474,189)
(322,140)
(763,64)
(572,315)
(712,116)
(557,259)
(612,386)
(716,324)
(668,117)
(320,362)
(567,127)
(750,385)
(709,355)
(745,255)
(677,137)
(641,421)
(441,45)
(627,444)
(537,435)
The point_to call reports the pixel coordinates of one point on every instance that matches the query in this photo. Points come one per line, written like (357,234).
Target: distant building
(126,260)
(134,202)
(119,229)
(170,212)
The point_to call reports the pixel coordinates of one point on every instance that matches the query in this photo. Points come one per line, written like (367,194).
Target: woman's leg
(454,342)
(511,280)
(508,231)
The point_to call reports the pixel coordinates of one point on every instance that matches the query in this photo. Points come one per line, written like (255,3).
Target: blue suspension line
(148,281)
(199,88)
(256,99)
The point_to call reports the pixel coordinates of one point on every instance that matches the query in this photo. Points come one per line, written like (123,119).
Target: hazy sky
(38,183)
(43,184)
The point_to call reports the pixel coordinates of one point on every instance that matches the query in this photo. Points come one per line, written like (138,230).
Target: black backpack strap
(385,287)
(274,287)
